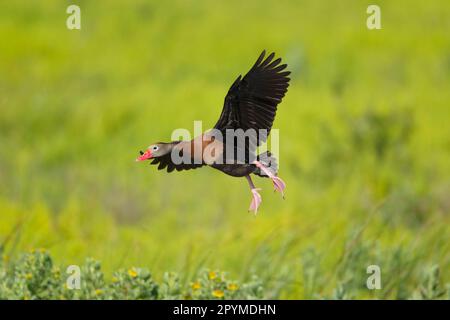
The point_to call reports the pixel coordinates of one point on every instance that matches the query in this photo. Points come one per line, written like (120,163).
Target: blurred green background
(364,140)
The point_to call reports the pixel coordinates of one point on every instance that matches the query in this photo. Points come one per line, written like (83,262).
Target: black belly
(235,170)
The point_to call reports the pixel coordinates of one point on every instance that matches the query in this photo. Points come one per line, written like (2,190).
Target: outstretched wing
(166,162)
(251,102)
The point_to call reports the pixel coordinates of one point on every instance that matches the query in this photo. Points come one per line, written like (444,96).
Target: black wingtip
(260,59)
(268,59)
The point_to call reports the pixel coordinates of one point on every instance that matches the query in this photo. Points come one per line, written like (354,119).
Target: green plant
(34,276)
(431,286)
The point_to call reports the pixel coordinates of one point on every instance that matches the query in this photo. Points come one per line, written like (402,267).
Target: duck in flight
(244,124)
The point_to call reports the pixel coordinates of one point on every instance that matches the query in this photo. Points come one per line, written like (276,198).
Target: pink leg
(256,200)
(278,184)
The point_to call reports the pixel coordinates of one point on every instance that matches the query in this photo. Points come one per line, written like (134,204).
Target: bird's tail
(269,161)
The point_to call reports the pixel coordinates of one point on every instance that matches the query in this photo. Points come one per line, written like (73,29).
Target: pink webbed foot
(256,201)
(278,183)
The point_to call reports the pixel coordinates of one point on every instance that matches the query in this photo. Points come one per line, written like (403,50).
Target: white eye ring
(155,148)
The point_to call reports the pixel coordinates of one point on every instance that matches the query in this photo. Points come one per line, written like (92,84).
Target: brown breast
(202,149)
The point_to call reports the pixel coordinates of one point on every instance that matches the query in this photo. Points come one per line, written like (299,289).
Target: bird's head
(154,151)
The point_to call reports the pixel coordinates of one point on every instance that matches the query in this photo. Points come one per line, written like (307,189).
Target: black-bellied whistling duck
(247,116)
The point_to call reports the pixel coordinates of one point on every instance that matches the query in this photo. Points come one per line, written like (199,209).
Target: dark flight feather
(166,162)
(251,102)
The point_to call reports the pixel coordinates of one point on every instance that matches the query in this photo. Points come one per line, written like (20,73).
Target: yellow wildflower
(218,293)
(133,273)
(98,292)
(196,285)
(212,275)
(232,287)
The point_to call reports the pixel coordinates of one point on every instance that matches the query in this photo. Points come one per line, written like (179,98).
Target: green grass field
(364,142)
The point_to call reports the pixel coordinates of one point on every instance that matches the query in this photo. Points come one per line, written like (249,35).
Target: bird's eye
(154,148)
